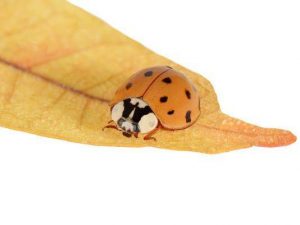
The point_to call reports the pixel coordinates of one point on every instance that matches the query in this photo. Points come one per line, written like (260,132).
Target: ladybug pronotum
(152,99)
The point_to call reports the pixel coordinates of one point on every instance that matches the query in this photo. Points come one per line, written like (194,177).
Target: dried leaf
(60,66)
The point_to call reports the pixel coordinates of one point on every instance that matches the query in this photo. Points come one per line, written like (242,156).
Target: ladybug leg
(136,134)
(149,135)
(110,126)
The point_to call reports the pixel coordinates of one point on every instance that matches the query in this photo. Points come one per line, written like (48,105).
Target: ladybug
(152,99)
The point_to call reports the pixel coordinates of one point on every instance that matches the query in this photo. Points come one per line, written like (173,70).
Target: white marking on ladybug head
(148,123)
(117,111)
(127,126)
(131,114)
(134,115)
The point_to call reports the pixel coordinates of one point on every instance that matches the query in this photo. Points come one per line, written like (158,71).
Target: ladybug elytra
(152,99)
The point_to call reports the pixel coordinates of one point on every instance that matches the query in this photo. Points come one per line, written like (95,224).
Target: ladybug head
(127,125)
(133,115)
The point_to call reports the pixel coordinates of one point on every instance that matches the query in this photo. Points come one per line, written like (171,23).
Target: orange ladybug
(152,99)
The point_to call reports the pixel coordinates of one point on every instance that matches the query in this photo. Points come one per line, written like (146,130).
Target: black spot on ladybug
(188,94)
(129,85)
(188,116)
(148,73)
(163,99)
(140,112)
(167,80)
(128,108)
(171,112)
(169,67)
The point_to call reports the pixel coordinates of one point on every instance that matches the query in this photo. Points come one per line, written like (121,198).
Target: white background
(250,52)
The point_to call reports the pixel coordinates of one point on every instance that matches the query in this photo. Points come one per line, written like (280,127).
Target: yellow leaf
(60,66)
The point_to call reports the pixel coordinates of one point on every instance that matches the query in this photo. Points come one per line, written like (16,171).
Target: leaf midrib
(44,78)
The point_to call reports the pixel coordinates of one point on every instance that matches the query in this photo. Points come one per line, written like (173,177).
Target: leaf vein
(53,82)
(13,89)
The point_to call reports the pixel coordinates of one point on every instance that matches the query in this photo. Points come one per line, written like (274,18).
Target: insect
(152,99)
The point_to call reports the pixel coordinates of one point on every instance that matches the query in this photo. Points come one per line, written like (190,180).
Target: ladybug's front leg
(110,126)
(136,134)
